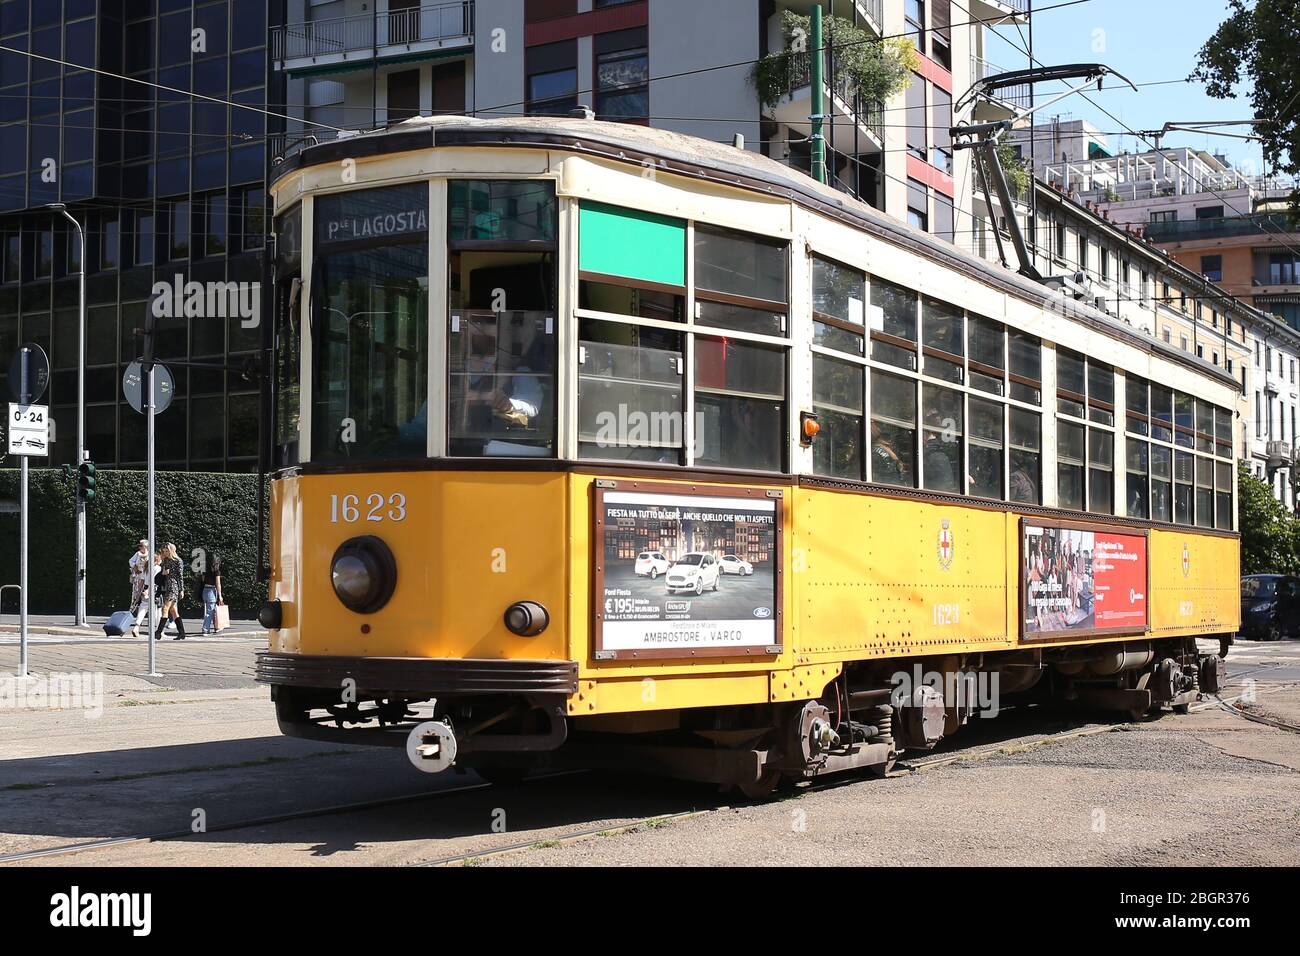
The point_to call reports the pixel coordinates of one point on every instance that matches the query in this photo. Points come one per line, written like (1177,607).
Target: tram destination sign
(1082,580)
(686,574)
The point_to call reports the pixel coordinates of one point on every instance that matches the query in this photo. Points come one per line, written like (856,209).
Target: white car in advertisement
(694,571)
(652,564)
(731,564)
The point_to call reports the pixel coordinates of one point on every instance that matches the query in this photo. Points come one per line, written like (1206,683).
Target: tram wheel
(764,786)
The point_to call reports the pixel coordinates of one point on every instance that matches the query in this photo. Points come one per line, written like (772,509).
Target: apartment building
(162,186)
(673,64)
(1121,272)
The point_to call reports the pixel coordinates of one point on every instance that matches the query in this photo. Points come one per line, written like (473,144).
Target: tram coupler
(431,746)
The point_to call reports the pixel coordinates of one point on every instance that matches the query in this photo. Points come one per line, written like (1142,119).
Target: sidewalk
(61,626)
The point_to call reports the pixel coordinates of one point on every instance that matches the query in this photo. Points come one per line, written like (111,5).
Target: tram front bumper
(301,682)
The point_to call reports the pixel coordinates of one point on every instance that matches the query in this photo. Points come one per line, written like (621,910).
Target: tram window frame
(1025,457)
(735,261)
(658,344)
(895,341)
(1085,395)
(329,252)
(838,348)
(286,401)
(497,441)
(893,426)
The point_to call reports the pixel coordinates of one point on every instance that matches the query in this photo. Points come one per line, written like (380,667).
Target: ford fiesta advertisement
(686,574)
(1079,581)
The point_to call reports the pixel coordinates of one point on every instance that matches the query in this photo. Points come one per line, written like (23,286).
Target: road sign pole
(153,604)
(22,567)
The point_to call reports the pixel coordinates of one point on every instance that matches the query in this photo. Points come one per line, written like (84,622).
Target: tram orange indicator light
(809,426)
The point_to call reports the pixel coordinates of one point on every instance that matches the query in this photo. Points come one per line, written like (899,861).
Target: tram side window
(985,452)
(741,284)
(893,335)
(1161,489)
(1137,474)
(739,404)
(1224,483)
(1026,372)
(942,432)
(1162,415)
(1223,488)
(837,399)
(630,392)
(838,297)
(370,288)
(1204,492)
(893,430)
(631,376)
(1026,457)
(501,301)
(1070,440)
(987,361)
(943,338)
(1101,457)
(838,306)
(1183,469)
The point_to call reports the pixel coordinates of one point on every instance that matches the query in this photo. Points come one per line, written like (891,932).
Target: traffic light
(86,480)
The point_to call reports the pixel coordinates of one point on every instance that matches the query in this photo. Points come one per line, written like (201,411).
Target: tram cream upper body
(642,184)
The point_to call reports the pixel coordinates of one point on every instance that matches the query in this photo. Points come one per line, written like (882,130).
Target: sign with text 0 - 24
(686,574)
(1078,580)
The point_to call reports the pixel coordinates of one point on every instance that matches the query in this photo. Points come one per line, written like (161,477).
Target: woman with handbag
(171,588)
(212,597)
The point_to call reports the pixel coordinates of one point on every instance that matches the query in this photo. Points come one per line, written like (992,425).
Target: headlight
(364,574)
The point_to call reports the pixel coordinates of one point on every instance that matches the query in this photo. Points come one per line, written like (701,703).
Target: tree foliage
(1016,171)
(1270,535)
(873,68)
(1257,45)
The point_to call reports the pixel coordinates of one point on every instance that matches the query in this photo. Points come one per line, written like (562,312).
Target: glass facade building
(167,186)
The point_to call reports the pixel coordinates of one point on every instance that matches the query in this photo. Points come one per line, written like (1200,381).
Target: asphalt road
(1206,789)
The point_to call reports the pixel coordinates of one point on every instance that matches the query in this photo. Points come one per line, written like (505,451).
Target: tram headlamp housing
(364,573)
(527,618)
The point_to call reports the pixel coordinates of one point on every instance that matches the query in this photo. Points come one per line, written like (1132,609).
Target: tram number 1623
(349,509)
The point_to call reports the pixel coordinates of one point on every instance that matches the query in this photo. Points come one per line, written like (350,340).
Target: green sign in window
(632,244)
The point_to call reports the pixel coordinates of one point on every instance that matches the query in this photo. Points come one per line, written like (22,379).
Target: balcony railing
(1258,224)
(1017,96)
(870,115)
(358,37)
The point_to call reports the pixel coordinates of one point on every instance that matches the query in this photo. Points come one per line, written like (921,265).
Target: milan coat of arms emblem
(945,545)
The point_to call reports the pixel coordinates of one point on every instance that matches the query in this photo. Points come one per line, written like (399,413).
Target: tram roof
(693,157)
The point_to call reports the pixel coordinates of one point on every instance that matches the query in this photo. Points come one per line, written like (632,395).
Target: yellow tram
(605,445)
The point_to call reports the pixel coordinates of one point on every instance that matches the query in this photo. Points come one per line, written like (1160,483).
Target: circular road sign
(38,373)
(133,386)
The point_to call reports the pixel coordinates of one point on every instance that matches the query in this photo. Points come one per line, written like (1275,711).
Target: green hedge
(215,512)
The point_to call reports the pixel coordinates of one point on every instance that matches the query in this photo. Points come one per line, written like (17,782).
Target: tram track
(902,769)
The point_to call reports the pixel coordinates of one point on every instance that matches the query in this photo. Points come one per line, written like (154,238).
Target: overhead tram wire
(1279,236)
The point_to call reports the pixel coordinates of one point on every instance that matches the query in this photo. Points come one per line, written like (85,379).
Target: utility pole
(79,605)
(817,97)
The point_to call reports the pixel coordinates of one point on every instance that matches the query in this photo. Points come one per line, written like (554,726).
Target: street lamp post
(79,610)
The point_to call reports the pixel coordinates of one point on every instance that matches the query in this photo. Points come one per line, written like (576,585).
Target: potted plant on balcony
(866,65)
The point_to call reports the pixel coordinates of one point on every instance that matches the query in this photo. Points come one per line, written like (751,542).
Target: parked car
(652,564)
(694,571)
(731,564)
(1270,606)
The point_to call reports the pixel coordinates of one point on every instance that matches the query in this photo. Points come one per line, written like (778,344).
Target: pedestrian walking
(171,587)
(212,596)
(140,573)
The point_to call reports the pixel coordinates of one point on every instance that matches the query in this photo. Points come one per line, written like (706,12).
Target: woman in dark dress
(171,588)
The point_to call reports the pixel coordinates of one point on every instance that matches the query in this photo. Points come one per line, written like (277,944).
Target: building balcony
(858,127)
(345,42)
(997,104)
(999,10)
(1257,226)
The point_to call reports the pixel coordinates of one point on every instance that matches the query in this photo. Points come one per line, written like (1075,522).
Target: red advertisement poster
(1080,581)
